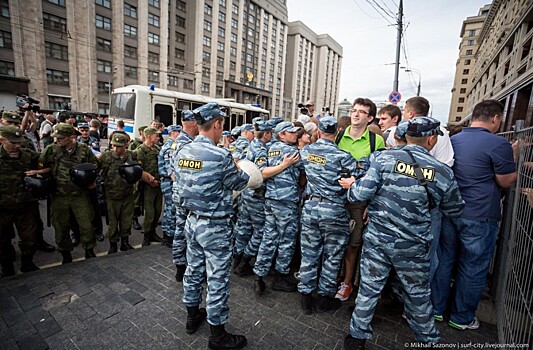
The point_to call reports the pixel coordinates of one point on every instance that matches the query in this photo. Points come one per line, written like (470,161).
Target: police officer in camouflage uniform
(119,193)
(16,163)
(239,148)
(206,176)
(281,207)
(164,161)
(325,229)
(179,244)
(234,135)
(274,122)
(59,158)
(147,154)
(402,188)
(87,139)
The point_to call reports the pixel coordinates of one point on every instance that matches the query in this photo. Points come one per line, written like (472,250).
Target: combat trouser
(23,217)
(120,213)
(179,243)
(250,225)
(169,211)
(153,203)
(208,255)
(280,232)
(325,232)
(82,209)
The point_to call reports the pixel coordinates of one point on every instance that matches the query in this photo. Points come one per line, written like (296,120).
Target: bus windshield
(123,106)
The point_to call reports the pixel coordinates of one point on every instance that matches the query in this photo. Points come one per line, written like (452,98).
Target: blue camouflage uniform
(398,235)
(281,207)
(325,229)
(239,147)
(206,175)
(164,163)
(274,122)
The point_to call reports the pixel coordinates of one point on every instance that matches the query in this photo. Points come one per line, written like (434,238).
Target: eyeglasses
(360,111)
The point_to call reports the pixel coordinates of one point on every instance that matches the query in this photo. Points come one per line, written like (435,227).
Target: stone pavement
(130,300)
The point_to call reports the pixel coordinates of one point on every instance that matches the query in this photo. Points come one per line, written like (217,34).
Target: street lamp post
(408,70)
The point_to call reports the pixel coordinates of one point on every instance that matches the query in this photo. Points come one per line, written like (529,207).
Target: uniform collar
(325,141)
(204,139)
(416,148)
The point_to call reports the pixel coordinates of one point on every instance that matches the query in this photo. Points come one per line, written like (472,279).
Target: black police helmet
(83,175)
(38,186)
(130,172)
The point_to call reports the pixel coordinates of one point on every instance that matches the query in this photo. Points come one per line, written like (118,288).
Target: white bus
(138,105)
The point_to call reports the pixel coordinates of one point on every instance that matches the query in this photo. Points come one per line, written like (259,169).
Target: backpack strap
(339,136)
(422,180)
(372,137)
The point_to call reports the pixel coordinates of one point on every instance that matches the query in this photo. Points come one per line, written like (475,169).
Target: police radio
(345,173)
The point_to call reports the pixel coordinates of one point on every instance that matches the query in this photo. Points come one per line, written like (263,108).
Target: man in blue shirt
(484,164)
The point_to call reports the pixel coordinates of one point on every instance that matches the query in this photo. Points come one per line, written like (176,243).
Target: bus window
(164,113)
(233,122)
(123,106)
(183,105)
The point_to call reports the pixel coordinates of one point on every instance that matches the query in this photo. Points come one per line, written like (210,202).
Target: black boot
(351,343)
(113,247)
(283,283)
(307,303)
(244,268)
(220,339)
(135,223)
(125,244)
(195,316)
(327,304)
(155,238)
(259,285)
(75,238)
(180,271)
(89,253)
(146,240)
(45,247)
(26,263)
(8,268)
(99,235)
(167,241)
(67,257)
(237,259)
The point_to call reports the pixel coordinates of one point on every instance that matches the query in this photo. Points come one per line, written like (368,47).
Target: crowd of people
(345,206)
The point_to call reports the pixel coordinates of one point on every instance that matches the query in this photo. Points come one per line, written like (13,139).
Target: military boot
(259,285)
(195,316)
(67,256)
(26,263)
(125,244)
(244,268)
(220,339)
(89,253)
(8,268)
(146,240)
(327,304)
(113,247)
(283,283)
(180,271)
(167,241)
(135,224)
(307,303)
(237,259)
(351,343)
(155,238)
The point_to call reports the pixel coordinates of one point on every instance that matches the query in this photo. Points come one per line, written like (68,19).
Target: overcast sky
(369,44)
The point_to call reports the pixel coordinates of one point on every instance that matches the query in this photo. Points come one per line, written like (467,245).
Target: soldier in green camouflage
(137,208)
(153,197)
(59,158)
(137,142)
(15,119)
(119,194)
(15,163)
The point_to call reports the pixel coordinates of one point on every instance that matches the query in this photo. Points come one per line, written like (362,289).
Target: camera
(26,103)
(301,105)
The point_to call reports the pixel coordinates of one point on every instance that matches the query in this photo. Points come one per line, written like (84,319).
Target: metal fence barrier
(514,264)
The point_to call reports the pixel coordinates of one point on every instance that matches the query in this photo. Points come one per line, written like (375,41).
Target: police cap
(423,126)
(263,126)
(401,129)
(83,125)
(248,127)
(151,131)
(208,112)
(187,116)
(172,128)
(226,133)
(119,139)
(11,133)
(328,125)
(236,131)
(286,126)
(63,130)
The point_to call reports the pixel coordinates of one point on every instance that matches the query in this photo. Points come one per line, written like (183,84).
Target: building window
(222,3)
(172,80)
(103,22)
(468,52)
(205,87)
(130,31)
(103,44)
(180,38)
(103,108)
(153,57)
(235,9)
(55,102)
(250,45)
(207,26)
(153,20)
(464,81)
(103,87)
(232,65)
(472,32)
(220,46)
(180,54)
(233,37)
(130,72)
(207,41)
(221,32)
(461,100)
(467,62)
(130,51)
(470,43)
(206,72)
(459,109)
(57,77)
(53,22)
(181,5)
(458,119)
(220,75)
(57,2)
(104,3)
(206,57)
(5,40)
(180,21)
(233,51)
(4,7)
(187,84)
(130,11)
(153,39)
(208,10)
(155,3)
(234,23)
(466,71)
(103,66)
(222,17)
(462,91)
(153,76)
(219,91)
(220,61)
(59,52)
(249,58)
(7,68)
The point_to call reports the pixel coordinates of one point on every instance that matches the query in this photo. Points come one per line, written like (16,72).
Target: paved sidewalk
(130,300)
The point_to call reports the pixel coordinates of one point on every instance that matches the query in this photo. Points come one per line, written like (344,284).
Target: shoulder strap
(339,136)
(421,179)
(372,137)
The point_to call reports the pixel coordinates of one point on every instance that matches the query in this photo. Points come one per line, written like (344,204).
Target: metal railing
(514,292)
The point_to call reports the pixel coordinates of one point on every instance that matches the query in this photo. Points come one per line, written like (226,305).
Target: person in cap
(251,219)
(147,155)
(15,164)
(58,159)
(137,211)
(273,123)
(206,176)
(240,146)
(119,194)
(164,162)
(226,139)
(325,229)
(87,139)
(402,186)
(179,243)
(281,207)
(15,119)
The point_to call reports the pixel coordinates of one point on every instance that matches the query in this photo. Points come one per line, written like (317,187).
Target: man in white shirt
(46,130)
